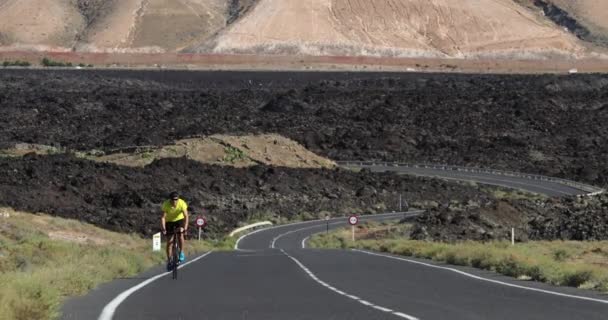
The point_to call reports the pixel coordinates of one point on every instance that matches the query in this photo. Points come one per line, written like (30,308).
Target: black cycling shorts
(175,225)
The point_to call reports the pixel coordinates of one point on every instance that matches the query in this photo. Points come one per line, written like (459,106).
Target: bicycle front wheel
(175,259)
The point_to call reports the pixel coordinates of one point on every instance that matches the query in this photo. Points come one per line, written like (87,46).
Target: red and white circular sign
(201,222)
(353,220)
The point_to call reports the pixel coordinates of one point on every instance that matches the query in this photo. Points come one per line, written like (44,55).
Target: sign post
(200,223)
(156,242)
(327,224)
(353,220)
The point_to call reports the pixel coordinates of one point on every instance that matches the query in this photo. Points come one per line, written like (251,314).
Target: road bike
(174,260)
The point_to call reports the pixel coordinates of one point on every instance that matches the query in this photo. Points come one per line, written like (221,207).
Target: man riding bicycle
(173,221)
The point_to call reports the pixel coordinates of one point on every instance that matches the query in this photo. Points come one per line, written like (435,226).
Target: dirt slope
(39,23)
(113,25)
(465,28)
(236,151)
(154,25)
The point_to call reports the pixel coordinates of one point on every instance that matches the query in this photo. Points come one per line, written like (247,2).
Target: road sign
(353,220)
(201,222)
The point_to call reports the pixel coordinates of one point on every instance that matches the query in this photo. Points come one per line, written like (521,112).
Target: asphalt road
(553,189)
(271,276)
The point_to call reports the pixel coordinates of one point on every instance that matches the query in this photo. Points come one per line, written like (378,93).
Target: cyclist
(175,218)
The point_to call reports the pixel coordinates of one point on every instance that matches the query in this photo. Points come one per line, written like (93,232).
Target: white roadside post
(327,224)
(200,223)
(400,204)
(156,242)
(512,236)
(353,220)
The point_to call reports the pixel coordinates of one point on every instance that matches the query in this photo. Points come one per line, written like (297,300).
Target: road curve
(271,276)
(549,188)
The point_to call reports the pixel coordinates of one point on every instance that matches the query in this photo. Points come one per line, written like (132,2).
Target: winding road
(272,275)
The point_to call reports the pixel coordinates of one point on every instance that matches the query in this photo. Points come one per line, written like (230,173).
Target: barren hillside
(114,25)
(465,28)
(39,23)
(389,28)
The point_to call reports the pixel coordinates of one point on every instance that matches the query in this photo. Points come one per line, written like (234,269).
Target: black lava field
(547,124)
(128,199)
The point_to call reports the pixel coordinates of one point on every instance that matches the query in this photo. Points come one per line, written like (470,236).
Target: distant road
(271,276)
(549,188)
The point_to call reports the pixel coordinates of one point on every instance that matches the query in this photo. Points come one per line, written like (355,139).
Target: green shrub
(16,63)
(233,155)
(576,278)
(51,63)
(560,255)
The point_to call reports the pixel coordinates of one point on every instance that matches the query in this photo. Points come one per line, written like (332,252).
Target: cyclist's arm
(162,222)
(186,219)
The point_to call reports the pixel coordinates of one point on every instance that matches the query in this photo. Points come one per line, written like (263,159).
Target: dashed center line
(342,293)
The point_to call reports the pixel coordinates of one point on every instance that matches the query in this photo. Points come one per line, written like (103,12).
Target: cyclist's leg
(170,238)
(181,240)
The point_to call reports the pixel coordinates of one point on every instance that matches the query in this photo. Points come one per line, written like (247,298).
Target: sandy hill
(404,28)
(155,25)
(463,28)
(39,22)
(114,25)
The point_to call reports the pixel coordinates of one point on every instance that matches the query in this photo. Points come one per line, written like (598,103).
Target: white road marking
(342,293)
(292,231)
(409,215)
(485,279)
(236,245)
(108,311)
(304,242)
(363,219)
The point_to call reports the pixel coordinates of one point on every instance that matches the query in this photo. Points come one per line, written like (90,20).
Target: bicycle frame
(175,255)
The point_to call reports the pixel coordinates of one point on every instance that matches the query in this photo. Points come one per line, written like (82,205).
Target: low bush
(52,63)
(16,63)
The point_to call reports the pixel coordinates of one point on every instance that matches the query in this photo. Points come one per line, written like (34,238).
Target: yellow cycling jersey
(174,214)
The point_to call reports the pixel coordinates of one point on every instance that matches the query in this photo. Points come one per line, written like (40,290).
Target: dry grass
(564,263)
(38,269)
